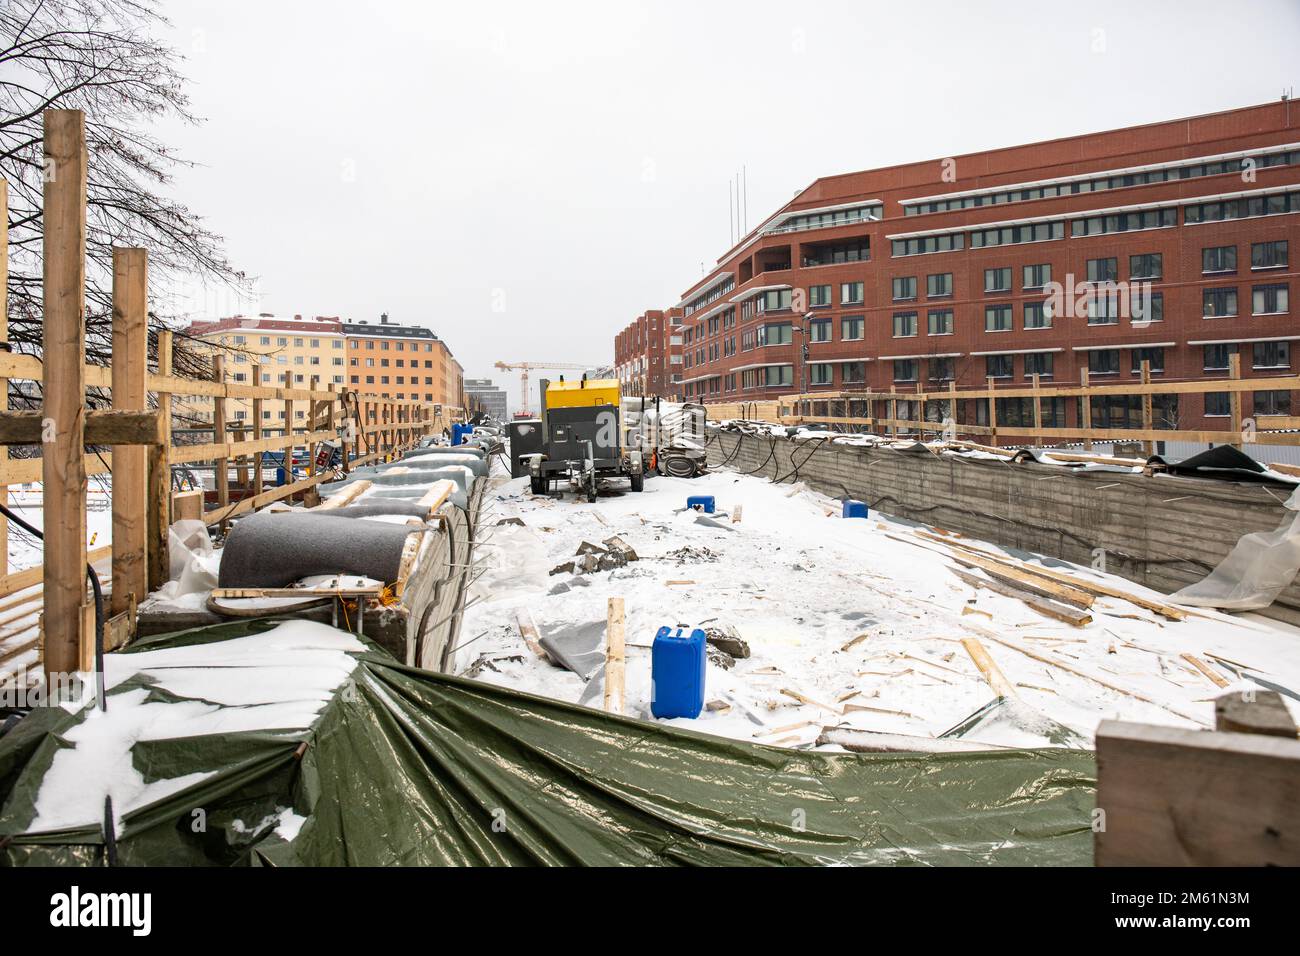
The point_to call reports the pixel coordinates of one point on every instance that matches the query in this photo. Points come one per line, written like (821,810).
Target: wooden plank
(992,673)
(221,467)
(1043,587)
(615,662)
(4,382)
(1174,797)
(875,742)
(18,580)
(131,463)
(1060,612)
(63,346)
(1147,409)
(187,505)
(1234,398)
(341,499)
(160,477)
(529,633)
(1078,581)
(1213,676)
(1254,711)
(102,427)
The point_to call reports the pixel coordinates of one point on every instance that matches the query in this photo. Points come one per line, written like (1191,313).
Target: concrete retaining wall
(1162,532)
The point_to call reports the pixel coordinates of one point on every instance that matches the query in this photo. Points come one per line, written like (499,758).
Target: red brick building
(974,266)
(648,354)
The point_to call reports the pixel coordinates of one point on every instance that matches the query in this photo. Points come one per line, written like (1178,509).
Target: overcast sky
(525,178)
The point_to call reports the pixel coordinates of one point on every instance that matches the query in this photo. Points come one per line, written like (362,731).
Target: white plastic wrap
(1260,566)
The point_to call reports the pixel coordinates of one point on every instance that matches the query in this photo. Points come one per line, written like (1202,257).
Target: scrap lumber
(1042,587)
(1205,669)
(992,673)
(528,631)
(1054,662)
(1254,712)
(614,656)
(1059,611)
(1096,587)
(875,742)
(804,699)
(438,493)
(856,641)
(345,497)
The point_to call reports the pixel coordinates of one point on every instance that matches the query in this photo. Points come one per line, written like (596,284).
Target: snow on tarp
(403,766)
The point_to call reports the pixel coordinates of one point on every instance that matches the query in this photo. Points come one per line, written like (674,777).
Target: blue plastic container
(677,673)
(459,431)
(855,509)
(703,502)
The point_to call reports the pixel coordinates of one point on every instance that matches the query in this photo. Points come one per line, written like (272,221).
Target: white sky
(525,178)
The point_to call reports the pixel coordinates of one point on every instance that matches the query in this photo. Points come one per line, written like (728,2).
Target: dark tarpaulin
(407,767)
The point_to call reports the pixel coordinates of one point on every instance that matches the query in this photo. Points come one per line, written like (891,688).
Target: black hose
(99,609)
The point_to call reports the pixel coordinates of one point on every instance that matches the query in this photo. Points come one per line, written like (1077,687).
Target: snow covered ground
(799,584)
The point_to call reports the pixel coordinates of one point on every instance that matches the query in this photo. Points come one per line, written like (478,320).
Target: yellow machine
(583,438)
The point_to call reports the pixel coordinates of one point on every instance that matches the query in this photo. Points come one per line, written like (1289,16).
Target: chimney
(383,318)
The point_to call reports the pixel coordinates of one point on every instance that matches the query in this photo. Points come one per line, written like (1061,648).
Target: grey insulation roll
(369,507)
(273,550)
(445,450)
(476,465)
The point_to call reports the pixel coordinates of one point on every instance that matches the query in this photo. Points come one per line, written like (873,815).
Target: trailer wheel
(638,481)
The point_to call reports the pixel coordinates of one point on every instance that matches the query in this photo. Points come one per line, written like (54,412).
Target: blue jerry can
(677,673)
(855,509)
(703,502)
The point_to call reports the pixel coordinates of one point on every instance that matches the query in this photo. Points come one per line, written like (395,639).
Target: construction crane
(525,367)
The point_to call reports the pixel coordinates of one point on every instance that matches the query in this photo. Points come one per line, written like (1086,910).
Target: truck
(585,441)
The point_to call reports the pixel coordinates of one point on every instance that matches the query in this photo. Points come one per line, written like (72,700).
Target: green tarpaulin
(403,766)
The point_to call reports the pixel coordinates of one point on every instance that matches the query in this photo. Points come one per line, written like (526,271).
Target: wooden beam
(614,656)
(1175,797)
(160,477)
(63,346)
(131,464)
(4,339)
(221,468)
(1060,612)
(1234,398)
(992,673)
(102,427)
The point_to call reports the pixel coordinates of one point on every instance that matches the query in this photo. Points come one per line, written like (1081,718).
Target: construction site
(648,613)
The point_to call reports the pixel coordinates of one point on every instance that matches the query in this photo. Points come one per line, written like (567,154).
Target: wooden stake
(130,462)
(992,673)
(1148,447)
(614,657)
(1234,398)
(1086,410)
(63,469)
(4,382)
(160,477)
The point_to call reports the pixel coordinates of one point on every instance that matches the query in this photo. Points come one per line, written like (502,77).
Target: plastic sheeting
(1260,566)
(405,766)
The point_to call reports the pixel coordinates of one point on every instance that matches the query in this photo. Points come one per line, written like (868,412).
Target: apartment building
(648,354)
(270,351)
(396,361)
(1168,243)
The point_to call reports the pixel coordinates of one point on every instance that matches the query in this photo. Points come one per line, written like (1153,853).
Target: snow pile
(277,680)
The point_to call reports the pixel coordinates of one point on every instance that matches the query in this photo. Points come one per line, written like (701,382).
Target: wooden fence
(878,411)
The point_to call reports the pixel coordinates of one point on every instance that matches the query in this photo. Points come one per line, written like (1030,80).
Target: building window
(1219,259)
(1156,356)
(1272,403)
(857,250)
(939,321)
(819,296)
(1149,265)
(1271,355)
(997,318)
(1247,208)
(819,330)
(1038,315)
(999,366)
(1147,308)
(775,375)
(1218,303)
(820,374)
(1014,235)
(904,324)
(904,288)
(853,373)
(850,293)
(1103,362)
(1039,363)
(905,370)
(852,328)
(1218,358)
(773,333)
(1103,270)
(997,280)
(939,285)
(266,340)
(941,369)
(1218,404)
(1037,276)
(776,300)
(1269,299)
(1268,255)
(925,245)
(1124,222)
(1103,309)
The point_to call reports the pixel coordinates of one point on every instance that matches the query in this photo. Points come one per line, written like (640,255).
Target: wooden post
(4,382)
(1085,408)
(63,468)
(287,452)
(130,393)
(160,477)
(993,413)
(614,656)
(1148,446)
(221,467)
(257,436)
(952,405)
(1234,397)
(312,407)
(1038,412)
